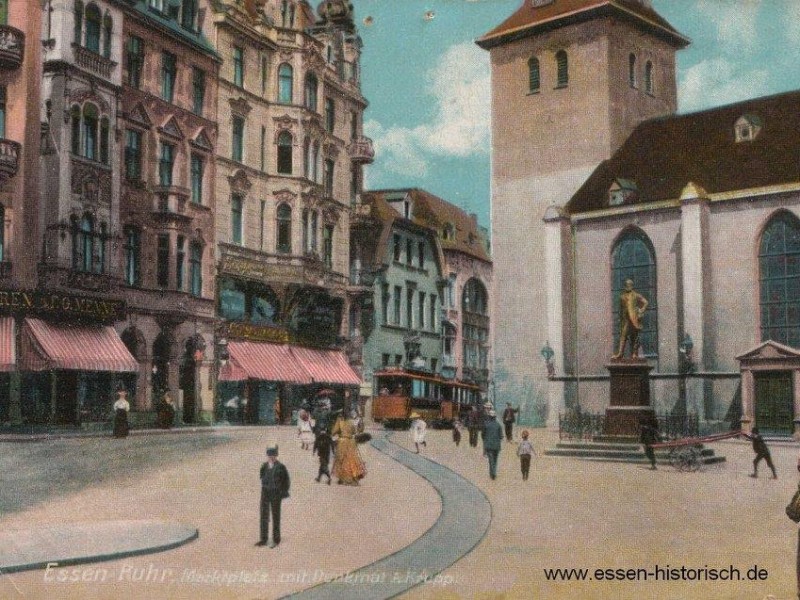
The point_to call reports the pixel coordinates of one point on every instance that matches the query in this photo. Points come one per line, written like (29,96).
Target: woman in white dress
(418,429)
(305,430)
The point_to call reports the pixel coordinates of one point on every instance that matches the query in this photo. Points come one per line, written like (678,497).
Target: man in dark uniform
(274,488)
(492,440)
(509,417)
(762,452)
(647,437)
(473,426)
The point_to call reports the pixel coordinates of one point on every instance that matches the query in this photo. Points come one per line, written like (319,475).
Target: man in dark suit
(647,437)
(509,417)
(274,488)
(492,440)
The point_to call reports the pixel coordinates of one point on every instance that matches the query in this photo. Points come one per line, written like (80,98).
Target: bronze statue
(631,308)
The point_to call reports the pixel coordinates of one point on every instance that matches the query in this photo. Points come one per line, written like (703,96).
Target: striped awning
(326,366)
(231,371)
(268,362)
(47,346)
(8,347)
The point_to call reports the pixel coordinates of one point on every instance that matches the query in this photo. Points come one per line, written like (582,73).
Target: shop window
(232,300)
(264,308)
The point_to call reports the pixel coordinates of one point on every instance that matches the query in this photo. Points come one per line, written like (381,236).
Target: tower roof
(534,17)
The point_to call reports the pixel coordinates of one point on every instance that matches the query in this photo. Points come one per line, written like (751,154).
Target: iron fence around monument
(587,426)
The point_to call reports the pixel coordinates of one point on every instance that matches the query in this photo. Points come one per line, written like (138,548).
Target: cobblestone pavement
(327,530)
(580,514)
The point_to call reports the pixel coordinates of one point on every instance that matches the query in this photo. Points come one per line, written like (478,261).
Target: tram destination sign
(67,306)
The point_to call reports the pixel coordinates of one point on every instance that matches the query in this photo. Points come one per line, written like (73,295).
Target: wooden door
(774,403)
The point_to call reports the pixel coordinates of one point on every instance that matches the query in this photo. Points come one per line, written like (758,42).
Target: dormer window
(622,191)
(400,203)
(448,232)
(747,127)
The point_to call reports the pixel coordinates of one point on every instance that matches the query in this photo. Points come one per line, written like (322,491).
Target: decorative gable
(139,116)
(201,141)
(171,128)
(769,350)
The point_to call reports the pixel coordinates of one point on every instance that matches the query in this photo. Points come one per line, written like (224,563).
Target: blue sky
(428,84)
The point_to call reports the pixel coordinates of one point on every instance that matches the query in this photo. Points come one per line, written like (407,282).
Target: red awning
(8,347)
(47,346)
(231,371)
(268,362)
(326,366)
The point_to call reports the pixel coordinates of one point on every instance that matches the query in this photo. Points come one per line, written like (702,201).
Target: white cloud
(735,21)
(718,81)
(459,87)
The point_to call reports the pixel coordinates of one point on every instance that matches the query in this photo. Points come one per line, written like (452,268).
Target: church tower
(570,80)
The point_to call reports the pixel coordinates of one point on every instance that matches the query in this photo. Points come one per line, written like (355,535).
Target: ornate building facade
(289,169)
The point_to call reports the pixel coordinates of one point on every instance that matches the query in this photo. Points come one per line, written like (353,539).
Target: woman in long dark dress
(121,409)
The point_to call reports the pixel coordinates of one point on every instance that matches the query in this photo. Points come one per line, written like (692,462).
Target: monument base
(625,421)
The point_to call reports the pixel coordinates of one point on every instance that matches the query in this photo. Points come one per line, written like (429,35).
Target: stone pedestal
(629,398)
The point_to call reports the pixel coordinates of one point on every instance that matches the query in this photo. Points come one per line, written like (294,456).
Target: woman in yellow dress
(347,463)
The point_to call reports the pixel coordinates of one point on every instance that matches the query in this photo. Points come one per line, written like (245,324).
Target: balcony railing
(9,158)
(12,47)
(361,150)
(91,61)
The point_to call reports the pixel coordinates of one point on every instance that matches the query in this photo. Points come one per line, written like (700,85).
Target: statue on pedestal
(631,309)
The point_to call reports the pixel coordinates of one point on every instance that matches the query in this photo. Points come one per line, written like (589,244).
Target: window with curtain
(197,167)
(534,79)
(133,249)
(90,122)
(312,85)
(180,260)
(236,219)
(284,227)
(562,67)
(779,280)
(238,66)
(285,153)
(133,155)
(108,29)
(135,61)
(633,258)
(169,71)
(196,269)
(285,83)
(165,163)
(237,139)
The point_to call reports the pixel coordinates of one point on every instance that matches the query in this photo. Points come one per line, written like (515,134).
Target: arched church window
(633,258)
(779,279)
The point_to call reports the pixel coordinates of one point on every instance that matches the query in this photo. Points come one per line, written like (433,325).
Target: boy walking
(525,451)
(762,452)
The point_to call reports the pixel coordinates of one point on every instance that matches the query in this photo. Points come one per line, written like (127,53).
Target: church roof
(530,19)
(665,154)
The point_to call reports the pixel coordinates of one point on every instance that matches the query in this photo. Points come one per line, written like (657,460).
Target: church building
(597,180)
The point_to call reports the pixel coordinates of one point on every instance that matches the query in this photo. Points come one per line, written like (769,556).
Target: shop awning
(8,347)
(231,371)
(268,362)
(326,366)
(47,346)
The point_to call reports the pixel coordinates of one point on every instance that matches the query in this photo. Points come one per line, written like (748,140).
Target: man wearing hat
(274,488)
(492,440)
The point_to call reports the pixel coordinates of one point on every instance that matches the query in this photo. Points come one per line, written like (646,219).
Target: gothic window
(285,83)
(779,278)
(284,226)
(562,66)
(633,258)
(285,153)
(534,80)
(93,20)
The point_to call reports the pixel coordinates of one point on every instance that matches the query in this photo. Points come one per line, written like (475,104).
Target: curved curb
(80,543)
(449,539)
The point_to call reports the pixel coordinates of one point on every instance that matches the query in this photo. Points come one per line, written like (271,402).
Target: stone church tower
(570,81)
